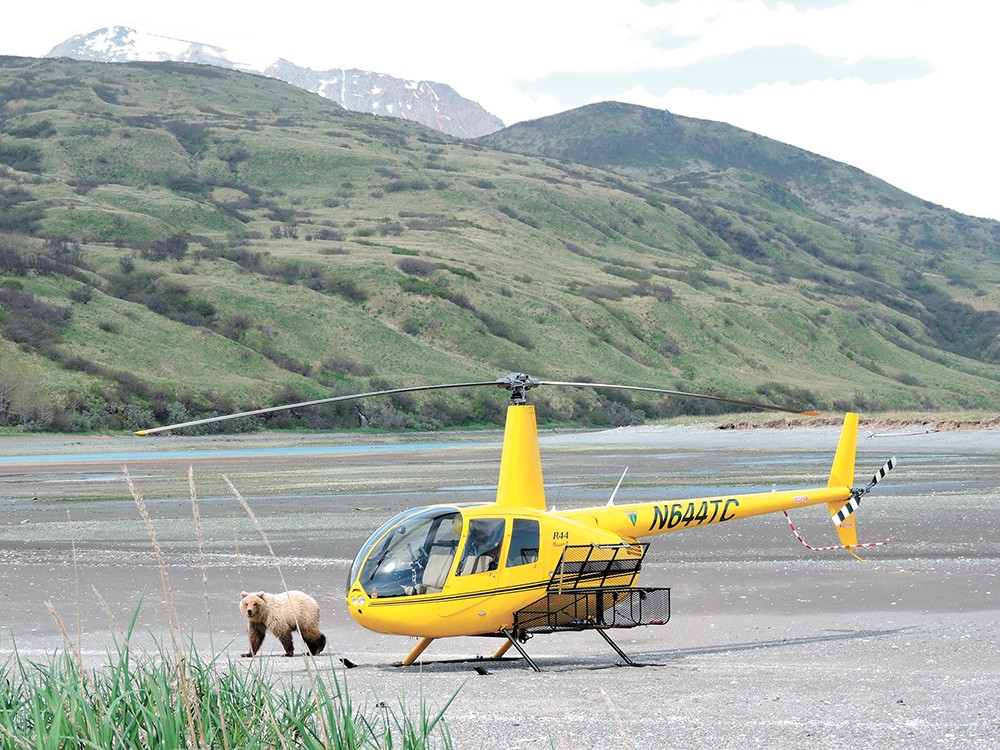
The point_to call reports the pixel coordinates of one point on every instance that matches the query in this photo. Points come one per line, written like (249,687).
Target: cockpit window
(524,541)
(415,556)
(373,540)
(482,548)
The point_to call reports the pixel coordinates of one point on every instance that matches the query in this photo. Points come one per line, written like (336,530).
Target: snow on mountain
(122,44)
(436,105)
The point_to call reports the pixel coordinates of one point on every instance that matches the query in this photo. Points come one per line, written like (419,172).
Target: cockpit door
(473,582)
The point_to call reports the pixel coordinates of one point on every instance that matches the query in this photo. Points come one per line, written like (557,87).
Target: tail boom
(648,519)
(639,520)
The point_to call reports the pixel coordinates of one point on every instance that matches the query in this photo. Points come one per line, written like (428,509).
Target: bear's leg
(286,641)
(257,631)
(316,642)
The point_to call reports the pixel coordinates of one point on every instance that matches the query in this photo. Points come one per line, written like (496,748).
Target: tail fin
(842,475)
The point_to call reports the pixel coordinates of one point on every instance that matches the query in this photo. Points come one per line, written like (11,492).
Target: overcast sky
(903,89)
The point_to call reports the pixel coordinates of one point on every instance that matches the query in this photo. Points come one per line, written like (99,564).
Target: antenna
(611,500)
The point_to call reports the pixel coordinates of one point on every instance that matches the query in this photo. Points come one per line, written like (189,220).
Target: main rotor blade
(516,383)
(332,399)
(665,391)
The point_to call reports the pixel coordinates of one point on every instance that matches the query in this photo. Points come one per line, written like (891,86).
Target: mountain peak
(435,105)
(125,44)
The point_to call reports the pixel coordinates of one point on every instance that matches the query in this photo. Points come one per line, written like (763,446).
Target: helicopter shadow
(593,662)
(830,636)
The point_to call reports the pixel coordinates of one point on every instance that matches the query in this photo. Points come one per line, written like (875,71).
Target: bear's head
(253,606)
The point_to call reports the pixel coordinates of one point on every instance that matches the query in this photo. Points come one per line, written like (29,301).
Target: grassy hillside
(668,149)
(179,240)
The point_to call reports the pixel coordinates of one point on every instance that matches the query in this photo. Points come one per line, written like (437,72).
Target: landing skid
(520,649)
(498,656)
(531,662)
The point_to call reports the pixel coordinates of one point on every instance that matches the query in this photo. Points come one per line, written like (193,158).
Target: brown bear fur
(282,614)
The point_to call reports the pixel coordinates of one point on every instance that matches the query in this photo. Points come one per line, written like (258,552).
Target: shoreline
(41,442)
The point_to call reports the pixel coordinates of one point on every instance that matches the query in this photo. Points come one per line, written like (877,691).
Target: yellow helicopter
(512,568)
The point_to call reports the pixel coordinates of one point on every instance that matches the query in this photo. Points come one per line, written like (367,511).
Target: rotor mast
(520,483)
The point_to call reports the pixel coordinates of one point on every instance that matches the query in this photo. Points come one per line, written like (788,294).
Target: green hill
(671,150)
(179,240)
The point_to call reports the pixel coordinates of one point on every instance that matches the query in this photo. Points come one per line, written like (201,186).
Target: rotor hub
(518,383)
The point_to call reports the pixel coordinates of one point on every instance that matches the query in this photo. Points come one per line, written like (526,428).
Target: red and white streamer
(835,546)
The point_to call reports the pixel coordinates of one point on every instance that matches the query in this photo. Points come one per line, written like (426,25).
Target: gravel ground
(769,644)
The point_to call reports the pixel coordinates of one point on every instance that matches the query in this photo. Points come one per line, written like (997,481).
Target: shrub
(23,157)
(175,247)
(186,185)
(343,287)
(193,137)
(11,260)
(235,156)
(18,212)
(415,266)
(106,93)
(660,292)
(283,361)
(82,294)
(632,274)
(32,322)
(504,330)
(393,228)
(398,186)
(344,365)
(599,292)
(40,129)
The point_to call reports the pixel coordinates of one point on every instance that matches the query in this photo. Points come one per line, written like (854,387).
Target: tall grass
(170,697)
(133,701)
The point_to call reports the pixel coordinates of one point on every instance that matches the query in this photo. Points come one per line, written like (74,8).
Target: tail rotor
(849,540)
(857,493)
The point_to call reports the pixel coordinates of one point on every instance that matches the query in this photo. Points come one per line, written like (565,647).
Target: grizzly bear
(282,614)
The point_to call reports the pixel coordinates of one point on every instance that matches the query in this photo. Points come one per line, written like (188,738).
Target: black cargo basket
(591,588)
(589,609)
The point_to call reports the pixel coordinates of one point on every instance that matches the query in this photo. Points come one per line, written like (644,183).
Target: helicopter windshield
(411,554)
(373,540)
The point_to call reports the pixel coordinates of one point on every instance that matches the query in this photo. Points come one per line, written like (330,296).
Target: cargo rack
(592,589)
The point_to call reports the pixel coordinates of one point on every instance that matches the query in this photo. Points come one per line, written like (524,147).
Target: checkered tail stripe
(880,474)
(842,515)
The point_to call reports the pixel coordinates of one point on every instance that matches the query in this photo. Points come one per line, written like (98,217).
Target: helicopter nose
(357,600)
